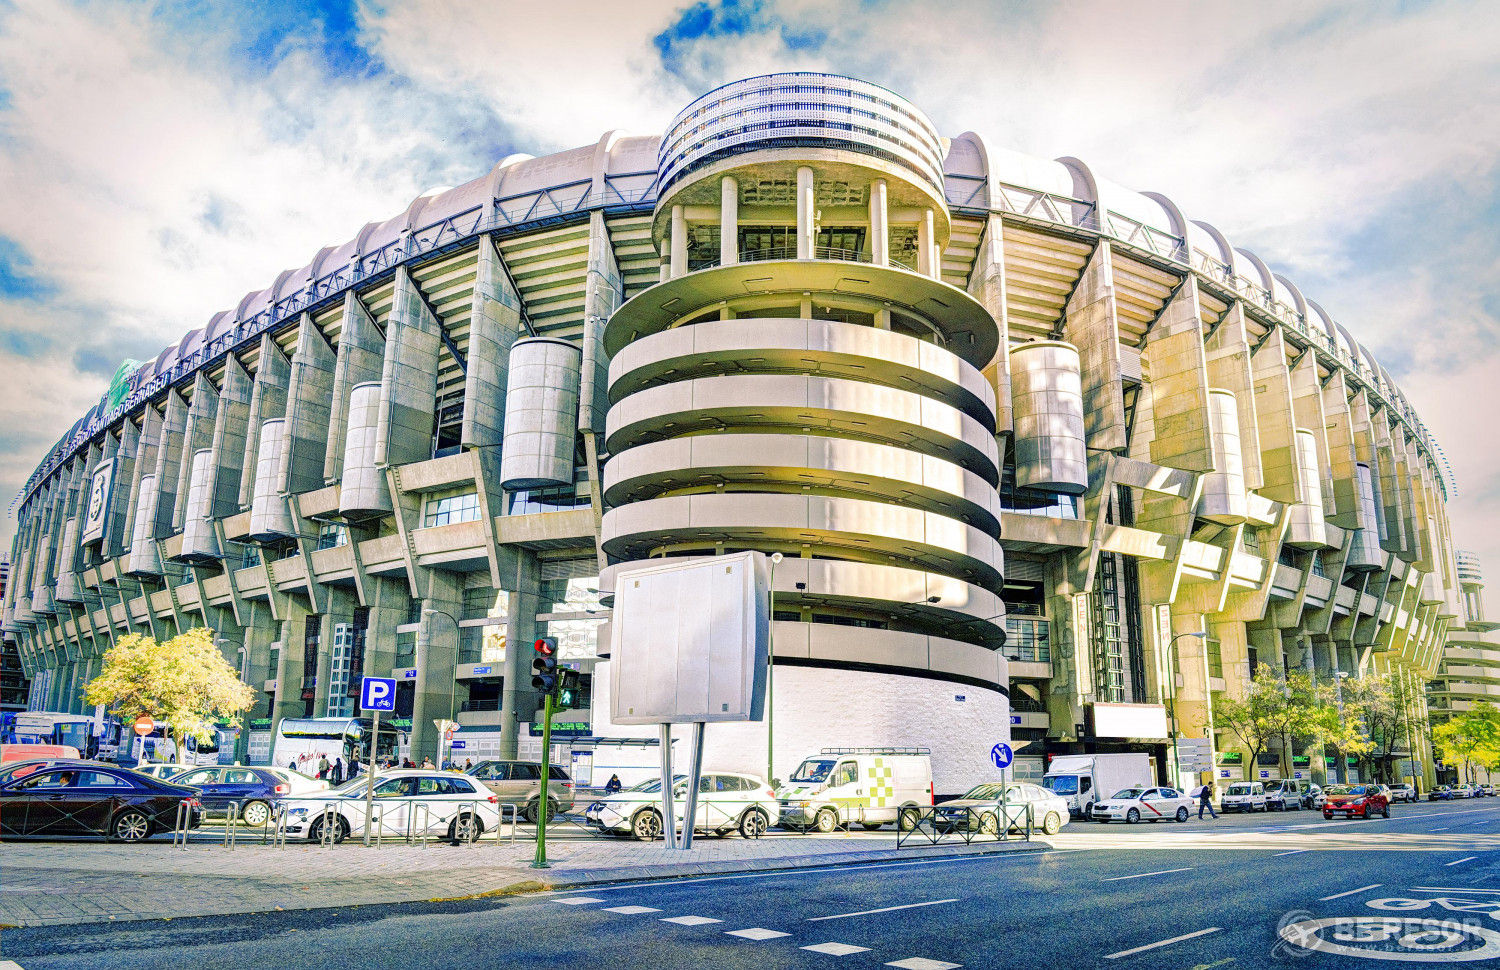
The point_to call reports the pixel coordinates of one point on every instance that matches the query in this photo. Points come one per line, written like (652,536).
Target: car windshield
(813,770)
(357,785)
(655,784)
(1128,793)
(1239,790)
(1344,790)
(1061,784)
(984,792)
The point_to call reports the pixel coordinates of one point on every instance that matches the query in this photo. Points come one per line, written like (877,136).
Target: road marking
(1464,859)
(1143,875)
(817,870)
(1162,943)
(630,910)
(837,949)
(1351,892)
(922,963)
(1456,889)
(578,900)
(1293,852)
(756,934)
(883,909)
(690,920)
(1443,829)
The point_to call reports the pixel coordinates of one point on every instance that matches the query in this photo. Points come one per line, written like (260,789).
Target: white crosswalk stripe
(630,910)
(756,933)
(690,920)
(837,949)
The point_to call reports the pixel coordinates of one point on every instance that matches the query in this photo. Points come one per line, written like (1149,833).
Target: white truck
(1083,779)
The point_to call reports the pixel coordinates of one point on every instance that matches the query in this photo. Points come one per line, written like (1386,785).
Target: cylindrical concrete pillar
(199,543)
(729,221)
(1364,553)
(541,413)
(1047,401)
(807,233)
(1224,488)
(143,560)
(924,244)
(69,590)
(269,519)
(678,242)
(363,492)
(1306,528)
(880,239)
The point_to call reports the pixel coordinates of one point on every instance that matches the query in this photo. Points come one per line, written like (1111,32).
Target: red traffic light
(546,646)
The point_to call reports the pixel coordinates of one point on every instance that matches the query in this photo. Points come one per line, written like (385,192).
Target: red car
(1351,800)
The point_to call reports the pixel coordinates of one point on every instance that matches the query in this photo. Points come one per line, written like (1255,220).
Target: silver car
(984,805)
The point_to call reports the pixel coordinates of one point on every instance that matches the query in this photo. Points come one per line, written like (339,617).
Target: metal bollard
(411,818)
(180,825)
(277,828)
(329,829)
(500,823)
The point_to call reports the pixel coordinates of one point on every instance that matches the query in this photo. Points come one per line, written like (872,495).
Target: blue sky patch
(18,281)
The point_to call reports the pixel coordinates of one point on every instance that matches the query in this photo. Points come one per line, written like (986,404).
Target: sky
(158,160)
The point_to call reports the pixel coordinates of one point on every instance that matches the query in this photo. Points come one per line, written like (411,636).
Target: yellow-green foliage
(184,682)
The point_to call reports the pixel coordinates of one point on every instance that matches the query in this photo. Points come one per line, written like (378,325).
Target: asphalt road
(1421,887)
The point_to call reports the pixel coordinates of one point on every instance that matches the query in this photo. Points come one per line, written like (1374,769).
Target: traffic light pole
(544,805)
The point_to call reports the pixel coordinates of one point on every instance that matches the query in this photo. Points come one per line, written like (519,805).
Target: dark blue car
(223,789)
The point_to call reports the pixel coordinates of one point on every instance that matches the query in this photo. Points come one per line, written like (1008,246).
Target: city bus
(120,743)
(52,727)
(302,741)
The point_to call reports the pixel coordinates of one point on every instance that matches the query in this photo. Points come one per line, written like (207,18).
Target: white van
(1286,795)
(1244,796)
(864,786)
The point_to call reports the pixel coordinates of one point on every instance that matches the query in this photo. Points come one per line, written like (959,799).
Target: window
(847,774)
(208,776)
(98,779)
(525,772)
(446,508)
(331,534)
(240,776)
(459,786)
(555,774)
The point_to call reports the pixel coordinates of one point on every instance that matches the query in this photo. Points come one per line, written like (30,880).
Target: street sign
(144,725)
(1015,719)
(447,735)
(1001,755)
(377,694)
(459,745)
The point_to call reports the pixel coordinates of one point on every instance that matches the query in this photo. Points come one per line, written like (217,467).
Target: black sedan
(91,798)
(232,789)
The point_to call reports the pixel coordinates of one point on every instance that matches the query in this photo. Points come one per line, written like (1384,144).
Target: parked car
(1151,804)
(982,807)
(1285,795)
(519,783)
(224,791)
(1441,793)
(1488,791)
(299,783)
(161,771)
(406,801)
(1352,800)
(1244,796)
(1403,793)
(1313,797)
(92,798)
(727,802)
(16,770)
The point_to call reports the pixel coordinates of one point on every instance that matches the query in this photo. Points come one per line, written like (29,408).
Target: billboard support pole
(370,782)
(668,816)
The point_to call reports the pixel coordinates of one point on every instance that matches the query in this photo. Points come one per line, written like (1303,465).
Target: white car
(162,772)
(727,802)
(1244,796)
(299,783)
(1151,804)
(409,801)
(982,807)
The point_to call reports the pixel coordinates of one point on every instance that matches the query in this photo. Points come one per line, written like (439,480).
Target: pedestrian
(613,785)
(427,764)
(468,765)
(323,767)
(338,771)
(1205,800)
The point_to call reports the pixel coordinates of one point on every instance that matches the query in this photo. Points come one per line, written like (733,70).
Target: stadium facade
(1048,460)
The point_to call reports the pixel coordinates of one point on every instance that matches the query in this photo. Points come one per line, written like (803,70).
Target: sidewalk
(86,882)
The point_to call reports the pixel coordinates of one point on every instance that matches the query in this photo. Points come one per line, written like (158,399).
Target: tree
(1383,704)
(1339,721)
(1470,737)
(1273,709)
(184,682)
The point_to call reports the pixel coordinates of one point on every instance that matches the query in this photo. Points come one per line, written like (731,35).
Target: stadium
(1048,461)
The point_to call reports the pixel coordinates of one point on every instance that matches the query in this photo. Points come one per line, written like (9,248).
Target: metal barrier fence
(403,820)
(969,824)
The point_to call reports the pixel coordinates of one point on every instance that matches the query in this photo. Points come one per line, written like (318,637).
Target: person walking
(338,771)
(323,767)
(427,764)
(1205,800)
(613,785)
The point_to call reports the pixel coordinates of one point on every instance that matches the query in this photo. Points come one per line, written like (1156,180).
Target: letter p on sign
(377,694)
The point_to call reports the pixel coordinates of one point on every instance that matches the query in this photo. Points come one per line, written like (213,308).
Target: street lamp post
(1172,711)
(453,687)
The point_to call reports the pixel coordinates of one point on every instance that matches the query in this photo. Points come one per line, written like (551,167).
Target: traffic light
(544,666)
(567,689)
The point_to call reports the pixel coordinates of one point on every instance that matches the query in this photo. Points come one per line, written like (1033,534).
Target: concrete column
(807,235)
(198,435)
(308,411)
(360,360)
(519,701)
(880,233)
(437,660)
(678,242)
(925,235)
(493,327)
(1090,324)
(267,403)
(231,429)
(729,221)
(408,382)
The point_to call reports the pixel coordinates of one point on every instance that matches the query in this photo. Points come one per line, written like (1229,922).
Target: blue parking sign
(377,694)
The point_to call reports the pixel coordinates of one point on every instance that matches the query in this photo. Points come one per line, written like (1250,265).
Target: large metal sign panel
(689,641)
(96,509)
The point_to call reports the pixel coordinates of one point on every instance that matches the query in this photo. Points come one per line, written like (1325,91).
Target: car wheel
(872,826)
(1328,816)
(340,830)
(1182,813)
(1133,816)
(753,824)
(826,820)
(989,824)
(130,826)
(255,814)
(1386,812)
(909,819)
(531,812)
(1052,824)
(465,828)
(646,825)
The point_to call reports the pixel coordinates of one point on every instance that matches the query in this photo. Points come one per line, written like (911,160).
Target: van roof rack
(877,751)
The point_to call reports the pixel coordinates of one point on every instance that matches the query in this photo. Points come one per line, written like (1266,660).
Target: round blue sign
(1001,755)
